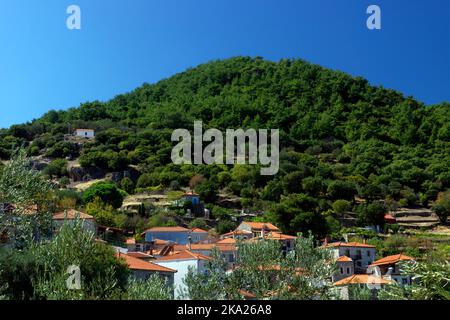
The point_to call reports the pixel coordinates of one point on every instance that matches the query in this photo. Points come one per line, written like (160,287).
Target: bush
(106,191)
(225,226)
(127,184)
(198,223)
(341,206)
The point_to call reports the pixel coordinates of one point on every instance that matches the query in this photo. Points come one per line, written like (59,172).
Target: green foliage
(24,187)
(442,206)
(161,219)
(106,191)
(127,185)
(225,226)
(371,214)
(300,213)
(102,212)
(198,223)
(154,288)
(430,282)
(57,168)
(341,206)
(208,191)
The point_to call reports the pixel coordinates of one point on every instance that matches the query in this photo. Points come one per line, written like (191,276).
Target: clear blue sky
(123,44)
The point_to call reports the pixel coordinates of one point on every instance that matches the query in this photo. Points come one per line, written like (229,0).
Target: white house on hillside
(361,254)
(181,262)
(85,133)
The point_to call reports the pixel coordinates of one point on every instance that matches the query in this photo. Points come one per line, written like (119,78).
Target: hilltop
(341,139)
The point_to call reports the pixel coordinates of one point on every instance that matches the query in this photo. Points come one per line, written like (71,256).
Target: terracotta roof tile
(198,230)
(139,264)
(184,255)
(349,244)
(167,229)
(391,260)
(71,214)
(344,259)
(362,279)
(261,225)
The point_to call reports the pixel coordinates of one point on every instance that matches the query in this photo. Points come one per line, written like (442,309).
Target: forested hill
(335,129)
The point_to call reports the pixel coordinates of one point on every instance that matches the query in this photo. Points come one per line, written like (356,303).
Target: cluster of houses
(180,249)
(171,252)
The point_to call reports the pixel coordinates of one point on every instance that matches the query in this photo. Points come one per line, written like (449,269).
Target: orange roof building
(344,259)
(362,279)
(184,255)
(390,260)
(71,215)
(349,244)
(141,265)
(257,227)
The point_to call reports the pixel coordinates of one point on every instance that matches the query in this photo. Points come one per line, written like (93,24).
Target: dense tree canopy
(340,137)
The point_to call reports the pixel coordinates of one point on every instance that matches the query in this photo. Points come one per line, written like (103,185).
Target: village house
(390,269)
(182,262)
(226,247)
(178,235)
(361,254)
(238,234)
(257,228)
(345,268)
(69,216)
(287,242)
(372,282)
(142,270)
(85,133)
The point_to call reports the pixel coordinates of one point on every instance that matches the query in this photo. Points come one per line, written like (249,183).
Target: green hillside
(340,138)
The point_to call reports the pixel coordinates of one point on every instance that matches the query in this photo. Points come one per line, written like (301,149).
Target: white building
(143,270)
(345,268)
(361,254)
(85,133)
(182,262)
(389,268)
(69,216)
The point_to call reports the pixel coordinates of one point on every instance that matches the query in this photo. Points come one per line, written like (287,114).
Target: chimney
(190,243)
(263,231)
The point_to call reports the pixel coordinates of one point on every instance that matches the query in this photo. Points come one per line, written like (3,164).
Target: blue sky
(123,44)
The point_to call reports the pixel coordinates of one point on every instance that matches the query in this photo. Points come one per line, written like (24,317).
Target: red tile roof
(160,242)
(246,294)
(348,244)
(184,255)
(362,279)
(139,264)
(198,230)
(227,241)
(71,214)
(237,232)
(139,255)
(280,236)
(167,229)
(344,259)
(130,241)
(391,260)
(261,225)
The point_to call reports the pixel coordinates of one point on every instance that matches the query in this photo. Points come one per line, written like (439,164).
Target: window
(342,270)
(405,281)
(347,253)
(348,270)
(368,253)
